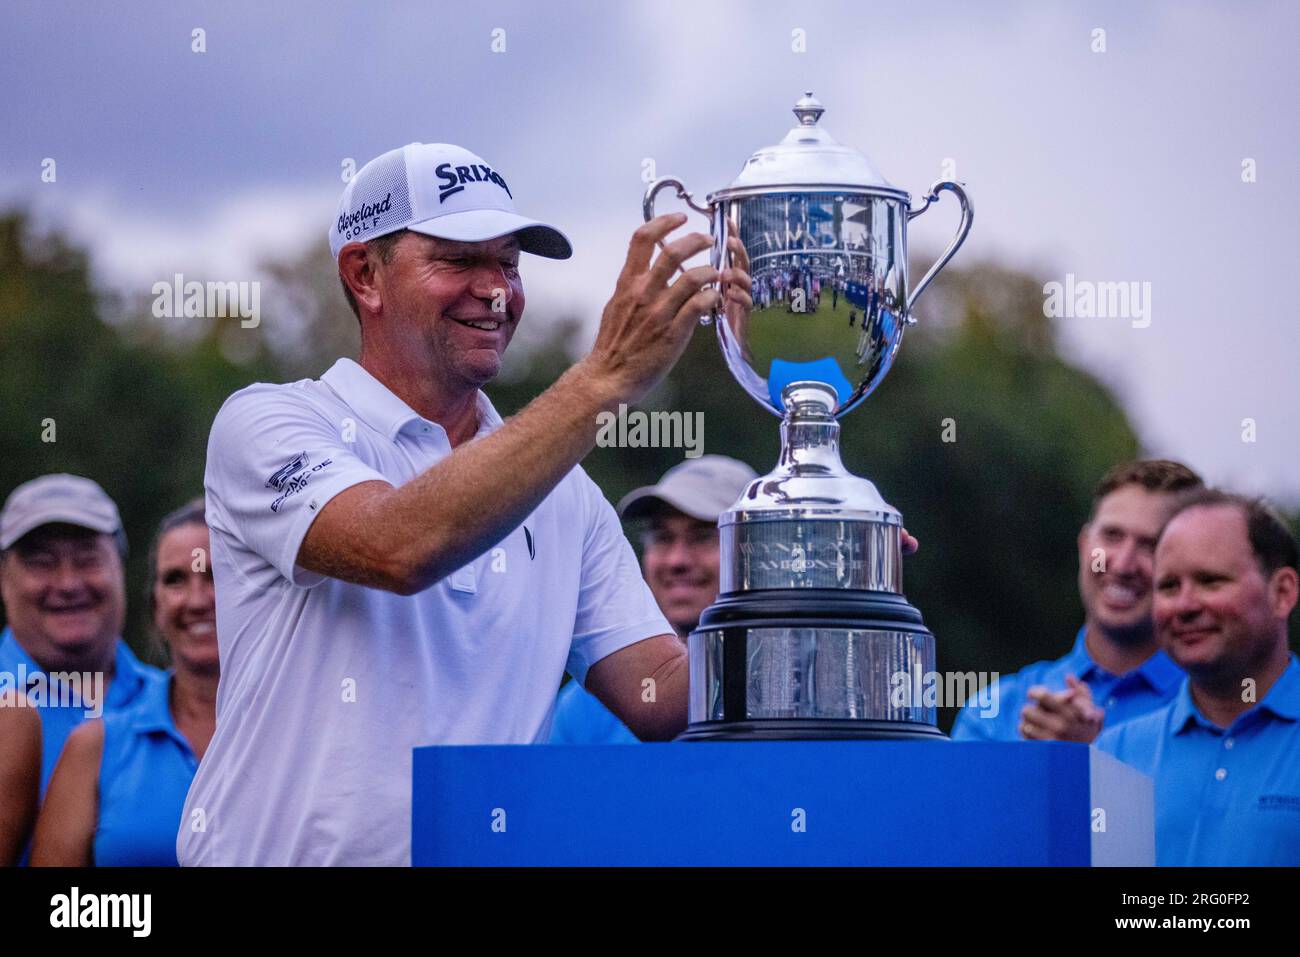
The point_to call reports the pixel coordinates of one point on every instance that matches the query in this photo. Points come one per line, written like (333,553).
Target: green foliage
(131,415)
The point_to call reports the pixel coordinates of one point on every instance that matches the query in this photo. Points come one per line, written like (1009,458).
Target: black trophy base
(729,621)
(811,729)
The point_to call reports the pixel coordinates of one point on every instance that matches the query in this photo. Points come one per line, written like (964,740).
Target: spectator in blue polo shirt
(64,594)
(1225,753)
(1115,670)
(117,795)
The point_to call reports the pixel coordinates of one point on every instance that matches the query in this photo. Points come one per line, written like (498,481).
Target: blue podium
(798,803)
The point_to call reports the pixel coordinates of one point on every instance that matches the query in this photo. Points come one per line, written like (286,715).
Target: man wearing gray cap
(679,559)
(64,593)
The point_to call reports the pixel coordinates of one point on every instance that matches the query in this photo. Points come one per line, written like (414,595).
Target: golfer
(396,566)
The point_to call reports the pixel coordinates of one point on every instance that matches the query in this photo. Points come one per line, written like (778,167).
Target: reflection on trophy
(811,636)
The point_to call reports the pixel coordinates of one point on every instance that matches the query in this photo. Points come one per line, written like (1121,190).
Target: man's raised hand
(648,321)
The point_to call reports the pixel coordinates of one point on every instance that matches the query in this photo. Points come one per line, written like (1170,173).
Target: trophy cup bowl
(811,636)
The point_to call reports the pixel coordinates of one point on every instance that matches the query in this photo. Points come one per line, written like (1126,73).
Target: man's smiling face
(681,565)
(1212,609)
(456,303)
(64,594)
(1115,582)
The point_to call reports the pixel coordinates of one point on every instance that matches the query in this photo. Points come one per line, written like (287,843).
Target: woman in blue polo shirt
(118,790)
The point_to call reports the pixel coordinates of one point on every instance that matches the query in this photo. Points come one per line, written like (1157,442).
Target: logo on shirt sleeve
(287,471)
(290,479)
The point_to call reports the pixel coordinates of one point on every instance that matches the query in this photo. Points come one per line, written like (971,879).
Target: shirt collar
(1283,700)
(128,675)
(1184,710)
(1078,661)
(153,711)
(13,654)
(382,410)
(1159,671)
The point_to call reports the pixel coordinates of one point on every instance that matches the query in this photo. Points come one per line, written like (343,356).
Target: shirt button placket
(1219,796)
(1221,773)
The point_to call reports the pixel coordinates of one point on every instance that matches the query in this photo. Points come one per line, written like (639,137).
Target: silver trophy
(811,636)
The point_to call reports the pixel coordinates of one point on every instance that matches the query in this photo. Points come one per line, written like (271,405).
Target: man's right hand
(1068,715)
(649,320)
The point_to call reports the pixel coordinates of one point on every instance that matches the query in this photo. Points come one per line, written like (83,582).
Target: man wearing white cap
(64,593)
(679,559)
(394,565)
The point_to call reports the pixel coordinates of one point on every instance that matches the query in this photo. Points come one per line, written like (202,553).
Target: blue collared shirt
(1224,796)
(580,718)
(144,776)
(130,678)
(1124,697)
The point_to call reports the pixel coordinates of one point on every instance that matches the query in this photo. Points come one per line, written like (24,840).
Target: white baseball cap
(702,488)
(439,190)
(69,499)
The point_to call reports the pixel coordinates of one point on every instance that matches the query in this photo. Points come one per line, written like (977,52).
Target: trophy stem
(810,434)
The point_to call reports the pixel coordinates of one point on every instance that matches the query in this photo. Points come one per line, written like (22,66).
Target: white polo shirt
(327,686)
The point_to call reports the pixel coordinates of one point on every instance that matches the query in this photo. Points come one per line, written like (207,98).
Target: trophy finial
(809,109)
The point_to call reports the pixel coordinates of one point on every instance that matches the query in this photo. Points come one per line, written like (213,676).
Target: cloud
(133,247)
(1122,166)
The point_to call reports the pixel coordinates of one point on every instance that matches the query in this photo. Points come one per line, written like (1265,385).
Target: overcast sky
(1122,165)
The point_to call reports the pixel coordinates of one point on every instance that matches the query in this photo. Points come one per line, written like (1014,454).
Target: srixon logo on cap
(363,219)
(454,178)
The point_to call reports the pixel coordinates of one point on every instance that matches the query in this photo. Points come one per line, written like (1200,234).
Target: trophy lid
(809,157)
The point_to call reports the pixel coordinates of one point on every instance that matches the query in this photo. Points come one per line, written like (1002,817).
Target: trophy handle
(719,236)
(963,228)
